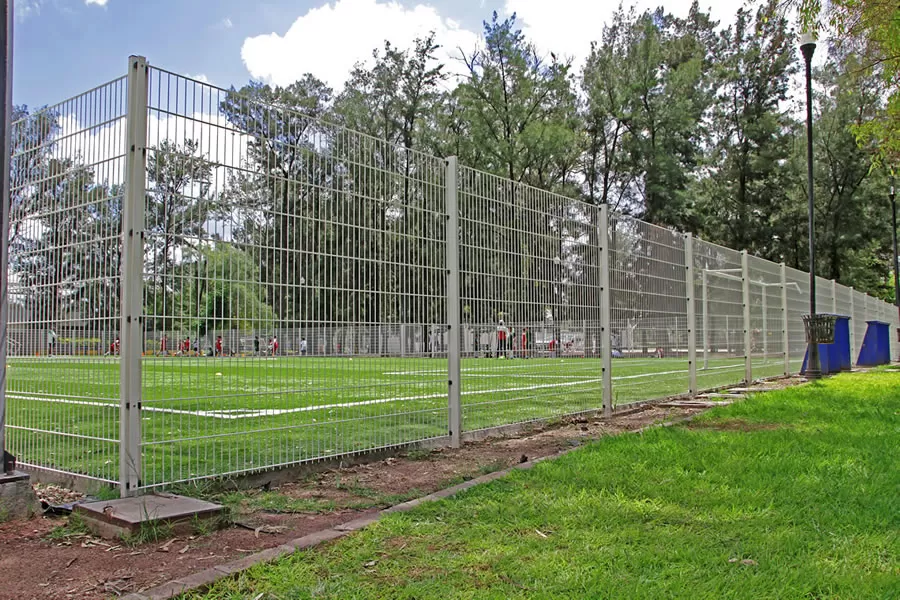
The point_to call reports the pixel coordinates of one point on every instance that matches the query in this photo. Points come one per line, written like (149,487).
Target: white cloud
(201,77)
(328,40)
(567,27)
(224,24)
(26,8)
(96,2)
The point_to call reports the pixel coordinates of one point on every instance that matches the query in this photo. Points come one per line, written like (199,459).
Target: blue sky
(63,47)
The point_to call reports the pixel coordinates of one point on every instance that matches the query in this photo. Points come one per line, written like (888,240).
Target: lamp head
(807,44)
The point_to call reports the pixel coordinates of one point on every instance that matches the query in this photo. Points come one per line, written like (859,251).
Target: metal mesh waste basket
(819,328)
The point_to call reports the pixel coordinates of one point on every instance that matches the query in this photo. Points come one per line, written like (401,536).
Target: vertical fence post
(5,120)
(745,280)
(852,326)
(605,310)
(705,301)
(833,296)
(454,382)
(691,311)
(765,323)
(132,277)
(785,341)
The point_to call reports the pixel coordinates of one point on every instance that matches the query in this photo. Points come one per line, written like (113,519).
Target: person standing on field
(502,334)
(526,341)
(302,346)
(219,345)
(51,341)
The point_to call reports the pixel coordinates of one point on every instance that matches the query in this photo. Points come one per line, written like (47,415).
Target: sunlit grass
(792,494)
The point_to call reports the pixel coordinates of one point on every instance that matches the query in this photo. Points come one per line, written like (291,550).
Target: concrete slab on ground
(17,497)
(126,516)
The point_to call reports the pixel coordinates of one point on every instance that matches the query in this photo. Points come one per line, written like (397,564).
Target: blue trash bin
(836,356)
(876,346)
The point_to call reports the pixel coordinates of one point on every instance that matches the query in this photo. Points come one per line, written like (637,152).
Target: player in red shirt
(219,345)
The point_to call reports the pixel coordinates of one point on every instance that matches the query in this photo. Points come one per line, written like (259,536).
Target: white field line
(242,413)
(630,362)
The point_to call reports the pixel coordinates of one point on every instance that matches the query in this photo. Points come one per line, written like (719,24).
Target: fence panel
(798,305)
(294,293)
(648,309)
(66,195)
(295,287)
(530,295)
(719,296)
(766,318)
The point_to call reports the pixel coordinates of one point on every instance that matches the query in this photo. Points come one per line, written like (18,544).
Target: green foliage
(73,527)
(738,205)
(516,109)
(871,30)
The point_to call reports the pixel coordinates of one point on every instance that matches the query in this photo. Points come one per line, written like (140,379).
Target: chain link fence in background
(204,284)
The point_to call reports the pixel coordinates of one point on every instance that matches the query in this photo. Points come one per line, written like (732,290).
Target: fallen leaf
(371,563)
(543,535)
(271,529)
(165,547)
(185,549)
(69,564)
(749,561)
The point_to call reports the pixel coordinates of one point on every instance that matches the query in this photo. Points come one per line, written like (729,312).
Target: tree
(280,197)
(751,132)
(667,95)
(870,29)
(385,181)
(31,147)
(519,108)
(178,208)
(604,82)
(851,209)
(226,292)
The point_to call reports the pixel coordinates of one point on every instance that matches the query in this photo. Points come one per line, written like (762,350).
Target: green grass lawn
(205,416)
(792,494)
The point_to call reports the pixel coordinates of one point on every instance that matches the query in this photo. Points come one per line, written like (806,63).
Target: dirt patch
(735,425)
(84,567)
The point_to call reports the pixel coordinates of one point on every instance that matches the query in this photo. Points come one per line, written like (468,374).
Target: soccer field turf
(214,416)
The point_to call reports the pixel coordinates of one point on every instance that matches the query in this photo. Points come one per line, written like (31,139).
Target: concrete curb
(207,577)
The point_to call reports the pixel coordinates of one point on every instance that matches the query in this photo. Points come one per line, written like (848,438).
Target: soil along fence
(203,284)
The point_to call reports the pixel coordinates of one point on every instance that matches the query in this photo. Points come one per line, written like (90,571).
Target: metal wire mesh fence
(204,283)
(67,167)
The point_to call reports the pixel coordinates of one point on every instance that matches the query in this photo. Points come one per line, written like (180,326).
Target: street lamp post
(807,47)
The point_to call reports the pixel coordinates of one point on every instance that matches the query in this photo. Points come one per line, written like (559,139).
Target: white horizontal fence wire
(295,293)
(529,277)
(295,288)
(67,169)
